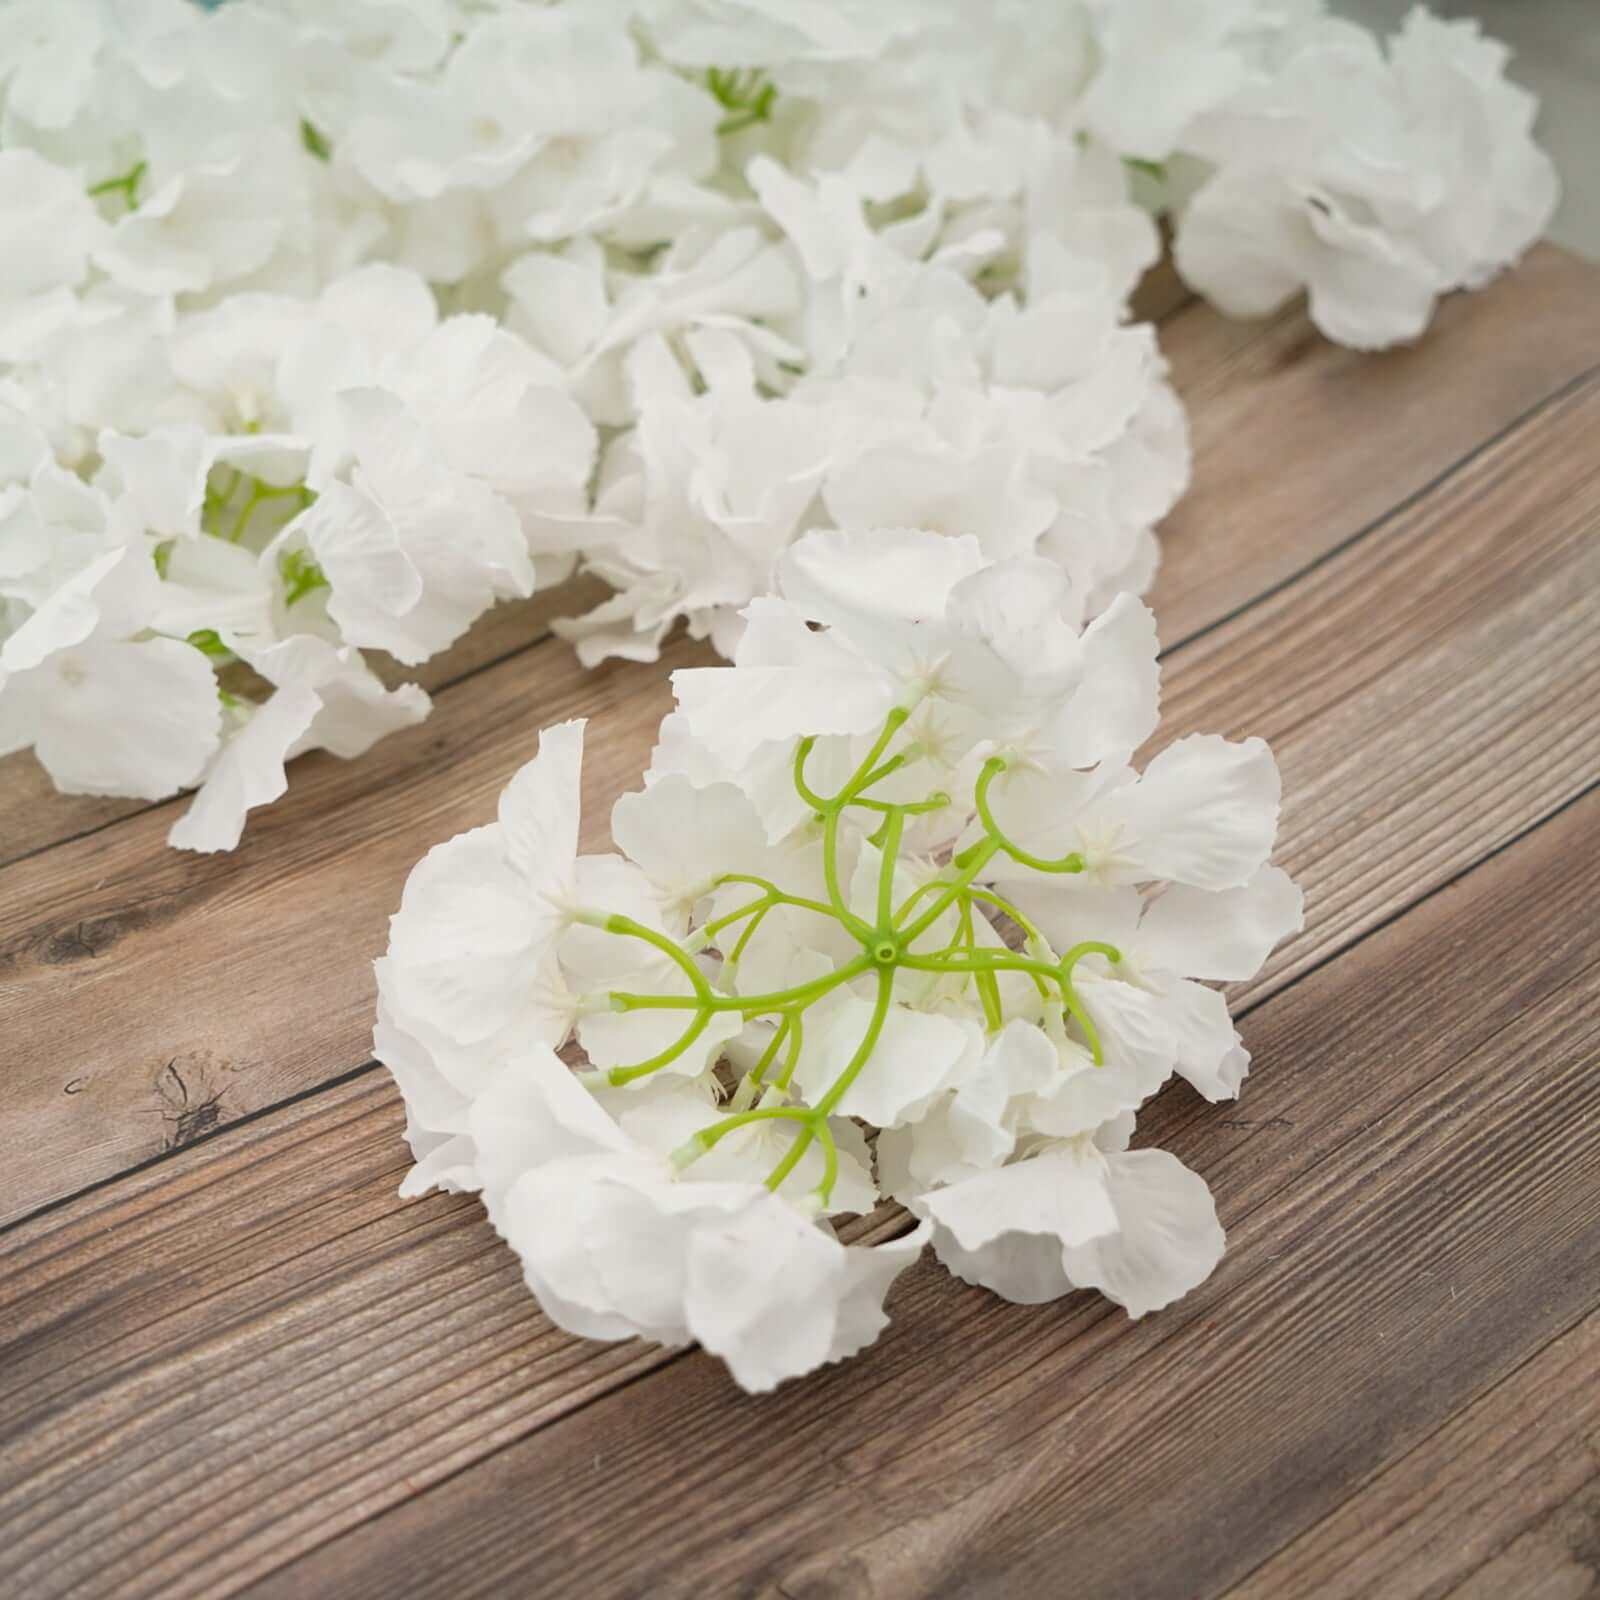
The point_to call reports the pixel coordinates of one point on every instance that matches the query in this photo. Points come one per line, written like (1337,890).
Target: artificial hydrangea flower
(890,871)
(1375,183)
(352,319)
(108,709)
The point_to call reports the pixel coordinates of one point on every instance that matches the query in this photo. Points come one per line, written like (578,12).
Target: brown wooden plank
(1429,692)
(1299,443)
(1502,1500)
(1161,294)
(1414,1210)
(242,1295)
(1254,515)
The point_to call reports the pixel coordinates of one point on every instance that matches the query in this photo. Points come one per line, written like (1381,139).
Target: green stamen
(127,185)
(745,95)
(301,576)
(315,142)
(209,643)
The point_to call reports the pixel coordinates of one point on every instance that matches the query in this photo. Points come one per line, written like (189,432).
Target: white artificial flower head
(49,228)
(486,910)
(551,106)
(474,972)
(54,524)
(1137,1225)
(752,33)
(48,60)
(497,414)
(107,709)
(213,225)
(1172,946)
(650,1248)
(976,654)
(762,980)
(698,503)
(412,550)
(1374,183)
(1204,812)
(685,838)
(1159,71)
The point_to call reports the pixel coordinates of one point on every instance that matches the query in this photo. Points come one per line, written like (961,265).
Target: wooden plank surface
(277,1349)
(1443,1513)
(229,1355)
(1300,444)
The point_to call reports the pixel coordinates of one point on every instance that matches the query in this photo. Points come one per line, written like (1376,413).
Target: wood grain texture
(254,1343)
(1160,294)
(426,1334)
(1299,444)
(254,1338)
(247,1361)
(156,936)
(1427,690)
(242,978)
(1412,1192)
(1503,1500)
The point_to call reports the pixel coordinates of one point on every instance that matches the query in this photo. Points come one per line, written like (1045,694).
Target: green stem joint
(888,946)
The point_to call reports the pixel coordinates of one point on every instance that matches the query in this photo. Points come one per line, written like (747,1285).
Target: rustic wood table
(232,1360)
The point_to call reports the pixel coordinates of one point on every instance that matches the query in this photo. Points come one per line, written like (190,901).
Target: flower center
(888,944)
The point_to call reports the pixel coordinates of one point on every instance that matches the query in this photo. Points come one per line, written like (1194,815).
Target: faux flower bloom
(1375,183)
(1160,71)
(890,871)
(347,320)
(108,709)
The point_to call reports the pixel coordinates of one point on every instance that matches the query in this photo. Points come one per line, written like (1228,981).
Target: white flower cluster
(1374,181)
(890,872)
(325,324)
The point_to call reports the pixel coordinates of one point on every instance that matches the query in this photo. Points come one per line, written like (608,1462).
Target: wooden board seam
(1394,915)
(197,1142)
(1201,1109)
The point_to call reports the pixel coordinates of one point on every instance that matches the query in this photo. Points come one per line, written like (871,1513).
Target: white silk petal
(1167,1239)
(1221,935)
(540,809)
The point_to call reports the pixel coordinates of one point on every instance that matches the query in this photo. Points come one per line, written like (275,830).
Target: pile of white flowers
(327,324)
(892,871)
